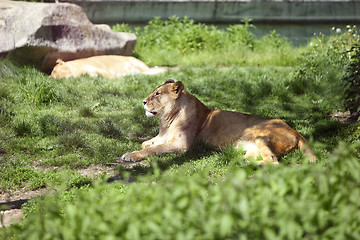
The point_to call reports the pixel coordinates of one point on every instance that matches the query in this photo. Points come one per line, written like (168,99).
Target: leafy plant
(287,203)
(241,34)
(352,81)
(181,41)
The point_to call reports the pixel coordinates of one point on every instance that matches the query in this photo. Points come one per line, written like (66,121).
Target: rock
(40,33)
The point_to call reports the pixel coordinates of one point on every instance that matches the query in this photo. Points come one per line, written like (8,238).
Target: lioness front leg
(159,149)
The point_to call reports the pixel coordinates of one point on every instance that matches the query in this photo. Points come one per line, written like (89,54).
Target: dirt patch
(90,171)
(14,202)
(10,217)
(96,170)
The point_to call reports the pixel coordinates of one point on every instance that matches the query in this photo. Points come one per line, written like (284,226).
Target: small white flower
(338,30)
(311,44)
(333,29)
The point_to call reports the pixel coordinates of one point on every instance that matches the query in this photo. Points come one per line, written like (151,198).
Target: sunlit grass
(96,120)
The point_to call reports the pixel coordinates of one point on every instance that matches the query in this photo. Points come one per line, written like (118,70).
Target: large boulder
(40,33)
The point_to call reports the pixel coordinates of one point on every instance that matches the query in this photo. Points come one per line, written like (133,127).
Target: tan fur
(109,66)
(183,118)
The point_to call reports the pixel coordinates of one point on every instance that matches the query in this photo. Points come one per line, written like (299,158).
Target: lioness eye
(157,93)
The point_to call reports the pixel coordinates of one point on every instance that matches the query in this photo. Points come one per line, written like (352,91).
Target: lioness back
(225,128)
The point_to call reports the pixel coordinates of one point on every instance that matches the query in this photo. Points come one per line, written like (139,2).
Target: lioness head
(163,99)
(61,70)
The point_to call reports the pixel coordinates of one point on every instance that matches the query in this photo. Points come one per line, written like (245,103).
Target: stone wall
(223,11)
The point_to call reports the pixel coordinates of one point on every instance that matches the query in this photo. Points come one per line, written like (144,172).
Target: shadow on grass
(332,131)
(129,172)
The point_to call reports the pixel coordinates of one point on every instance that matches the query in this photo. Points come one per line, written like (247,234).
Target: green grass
(50,128)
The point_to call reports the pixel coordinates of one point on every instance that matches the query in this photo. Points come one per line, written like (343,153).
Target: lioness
(183,118)
(109,66)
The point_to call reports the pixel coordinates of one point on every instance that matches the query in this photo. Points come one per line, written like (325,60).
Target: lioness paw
(132,157)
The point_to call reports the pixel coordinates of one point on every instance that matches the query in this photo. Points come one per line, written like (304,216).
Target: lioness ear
(59,61)
(177,88)
(169,81)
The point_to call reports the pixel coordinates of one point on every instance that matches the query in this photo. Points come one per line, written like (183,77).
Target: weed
(22,128)
(37,89)
(108,128)
(352,81)
(186,43)
(51,125)
(7,68)
(86,112)
(70,141)
(241,34)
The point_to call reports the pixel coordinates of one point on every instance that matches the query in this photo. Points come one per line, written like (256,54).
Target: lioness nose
(144,102)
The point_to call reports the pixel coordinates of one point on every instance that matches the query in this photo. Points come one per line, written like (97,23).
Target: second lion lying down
(183,119)
(109,66)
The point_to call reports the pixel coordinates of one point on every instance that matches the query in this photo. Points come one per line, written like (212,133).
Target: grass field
(50,129)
